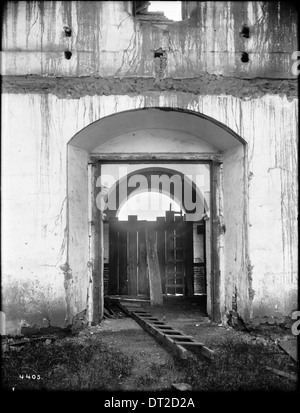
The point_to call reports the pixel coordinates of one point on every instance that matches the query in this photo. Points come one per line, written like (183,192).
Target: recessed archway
(166,135)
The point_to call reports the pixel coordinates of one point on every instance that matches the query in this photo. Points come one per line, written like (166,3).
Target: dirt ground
(154,367)
(151,359)
(130,359)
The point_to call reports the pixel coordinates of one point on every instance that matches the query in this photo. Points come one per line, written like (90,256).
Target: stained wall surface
(47,99)
(107,40)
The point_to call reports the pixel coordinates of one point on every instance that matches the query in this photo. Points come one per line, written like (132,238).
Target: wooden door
(128,259)
(175,258)
(128,273)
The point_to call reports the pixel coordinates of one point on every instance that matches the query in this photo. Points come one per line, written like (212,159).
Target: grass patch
(64,365)
(240,366)
(158,377)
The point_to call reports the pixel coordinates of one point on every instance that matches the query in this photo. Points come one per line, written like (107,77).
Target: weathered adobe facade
(85,81)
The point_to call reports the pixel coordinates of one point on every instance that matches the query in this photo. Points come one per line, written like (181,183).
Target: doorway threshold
(139,299)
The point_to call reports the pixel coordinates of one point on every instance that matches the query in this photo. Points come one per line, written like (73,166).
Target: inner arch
(147,206)
(171,182)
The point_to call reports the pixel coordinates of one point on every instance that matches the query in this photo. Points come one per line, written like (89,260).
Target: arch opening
(147,206)
(184,184)
(169,136)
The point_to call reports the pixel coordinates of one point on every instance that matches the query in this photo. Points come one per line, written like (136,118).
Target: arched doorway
(157,136)
(178,237)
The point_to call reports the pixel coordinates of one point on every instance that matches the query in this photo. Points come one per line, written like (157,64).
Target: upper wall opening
(163,12)
(171,9)
(157,11)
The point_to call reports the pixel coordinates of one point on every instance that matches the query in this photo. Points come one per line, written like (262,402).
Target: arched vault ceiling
(202,127)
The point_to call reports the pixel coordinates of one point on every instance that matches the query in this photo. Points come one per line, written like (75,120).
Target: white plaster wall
(235,233)
(76,278)
(273,194)
(108,41)
(35,132)
(155,140)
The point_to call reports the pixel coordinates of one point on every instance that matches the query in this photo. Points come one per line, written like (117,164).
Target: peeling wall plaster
(47,99)
(107,40)
(235,234)
(34,247)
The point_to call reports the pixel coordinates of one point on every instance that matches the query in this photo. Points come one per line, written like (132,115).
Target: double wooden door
(128,261)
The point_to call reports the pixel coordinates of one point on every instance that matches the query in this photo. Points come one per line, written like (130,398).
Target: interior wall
(235,286)
(76,267)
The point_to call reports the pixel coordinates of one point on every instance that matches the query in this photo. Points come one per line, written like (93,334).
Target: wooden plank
(123,282)
(161,251)
(207,352)
(113,284)
(132,276)
(172,341)
(177,349)
(179,337)
(156,297)
(179,256)
(143,281)
(283,374)
(189,257)
(191,343)
(170,331)
(97,251)
(215,251)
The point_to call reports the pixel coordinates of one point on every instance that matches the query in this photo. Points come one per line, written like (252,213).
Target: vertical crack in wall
(130,57)
(30,10)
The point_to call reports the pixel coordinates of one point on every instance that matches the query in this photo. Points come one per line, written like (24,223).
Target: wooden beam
(283,374)
(143,282)
(132,276)
(189,257)
(162,156)
(113,284)
(97,252)
(176,348)
(215,250)
(171,338)
(179,337)
(156,296)
(161,251)
(123,282)
(191,343)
